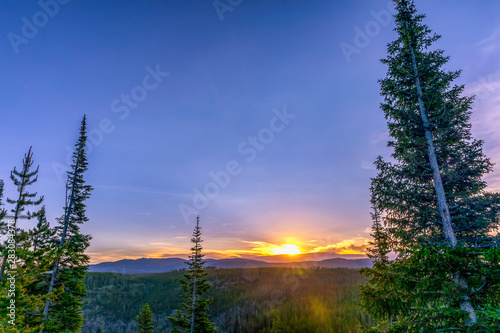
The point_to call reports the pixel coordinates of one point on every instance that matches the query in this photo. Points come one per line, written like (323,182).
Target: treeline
(243,300)
(43,268)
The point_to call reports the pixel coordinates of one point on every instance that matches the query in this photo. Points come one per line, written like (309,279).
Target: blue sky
(176,91)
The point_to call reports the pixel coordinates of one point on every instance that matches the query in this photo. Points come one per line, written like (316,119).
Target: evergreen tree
(22,269)
(144,320)
(380,295)
(63,310)
(2,211)
(194,316)
(22,179)
(42,235)
(435,210)
(41,253)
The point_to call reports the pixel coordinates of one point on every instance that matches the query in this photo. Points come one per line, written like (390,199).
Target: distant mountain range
(146,266)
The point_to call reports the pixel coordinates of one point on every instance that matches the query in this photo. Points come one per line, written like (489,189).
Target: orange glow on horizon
(249,249)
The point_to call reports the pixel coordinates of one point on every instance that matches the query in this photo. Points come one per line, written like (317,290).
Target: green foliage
(22,179)
(39,257)
(2,210)
(244,300)
(28,264)
(64,308)
(20,264)
(194,316)
(425,287)
(144,320)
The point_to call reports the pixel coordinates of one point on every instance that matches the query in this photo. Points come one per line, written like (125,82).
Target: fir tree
(380,296)
(194,316)
(22,179)
(42,235)
(40,256)
(24,270)
(144,320)
(63,310)
(435,209)
(2,210)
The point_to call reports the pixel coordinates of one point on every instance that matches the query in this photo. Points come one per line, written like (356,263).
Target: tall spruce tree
(63,310)
(441,223)
(194,316)
(144,320)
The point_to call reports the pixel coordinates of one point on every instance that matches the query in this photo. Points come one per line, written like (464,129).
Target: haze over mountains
(155,265)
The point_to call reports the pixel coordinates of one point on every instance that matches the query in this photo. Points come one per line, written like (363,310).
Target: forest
(435,241)
(244,300)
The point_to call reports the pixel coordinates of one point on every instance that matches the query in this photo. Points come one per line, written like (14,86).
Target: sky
(262,117)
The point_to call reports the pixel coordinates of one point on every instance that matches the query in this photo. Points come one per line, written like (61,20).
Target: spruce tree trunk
(444,211)
(63,236)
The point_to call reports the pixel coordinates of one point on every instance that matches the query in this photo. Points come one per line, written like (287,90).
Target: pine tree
(42,235)
(194,316)
(436,213)
(2,211)
(144,320)
(63,311)
(380,295)
(22,179)
(41,252)
(24,269)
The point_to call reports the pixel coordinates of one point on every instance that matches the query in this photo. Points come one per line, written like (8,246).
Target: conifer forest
(250,166)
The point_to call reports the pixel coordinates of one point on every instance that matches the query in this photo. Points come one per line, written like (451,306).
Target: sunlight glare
(289,249)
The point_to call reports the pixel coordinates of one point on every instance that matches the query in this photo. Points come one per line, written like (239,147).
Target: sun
(289,249)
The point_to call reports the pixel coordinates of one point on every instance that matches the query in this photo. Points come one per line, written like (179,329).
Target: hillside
(244,300)
(154,265)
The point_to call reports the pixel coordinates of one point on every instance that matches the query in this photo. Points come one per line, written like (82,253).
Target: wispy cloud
(486,120)
(489,43)
(349,246)
(487,49)
(142,214)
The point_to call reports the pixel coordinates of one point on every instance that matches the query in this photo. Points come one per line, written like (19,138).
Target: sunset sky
(260,116)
